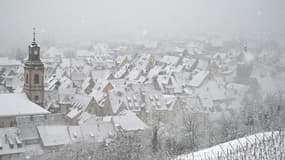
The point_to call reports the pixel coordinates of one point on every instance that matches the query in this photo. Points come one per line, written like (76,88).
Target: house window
(36,79)
(36,98)
(27,78)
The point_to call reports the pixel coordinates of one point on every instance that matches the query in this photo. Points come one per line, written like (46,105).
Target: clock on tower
(34,74)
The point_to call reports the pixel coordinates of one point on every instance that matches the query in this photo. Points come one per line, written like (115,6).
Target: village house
(78,105)
(99,93)
(11,145)
(10,110)
(122,123)
(56,136)
(146,102)
(28,126)
(167,84)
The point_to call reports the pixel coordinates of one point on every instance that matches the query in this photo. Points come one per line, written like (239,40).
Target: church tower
(34,74)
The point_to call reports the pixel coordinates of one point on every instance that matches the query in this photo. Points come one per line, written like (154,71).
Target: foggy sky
(83,20)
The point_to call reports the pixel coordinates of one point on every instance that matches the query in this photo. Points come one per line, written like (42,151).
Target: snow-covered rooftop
(9,137)
(54,135)
(18,104)
(129,121)
(198,78)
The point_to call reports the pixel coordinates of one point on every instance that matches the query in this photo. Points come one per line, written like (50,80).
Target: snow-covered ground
(269,145)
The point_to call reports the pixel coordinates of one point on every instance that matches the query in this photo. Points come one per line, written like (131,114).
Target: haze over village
(184,80)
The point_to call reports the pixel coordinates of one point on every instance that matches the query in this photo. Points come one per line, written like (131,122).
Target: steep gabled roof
(18,104)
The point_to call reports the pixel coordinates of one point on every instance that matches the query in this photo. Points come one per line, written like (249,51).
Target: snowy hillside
(267,145)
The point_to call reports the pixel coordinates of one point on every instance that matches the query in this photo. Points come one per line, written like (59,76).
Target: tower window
(36,79)
(27,78)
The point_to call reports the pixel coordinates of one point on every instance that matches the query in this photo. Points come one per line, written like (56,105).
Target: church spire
(34,34)
(34,49)
(34,73)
